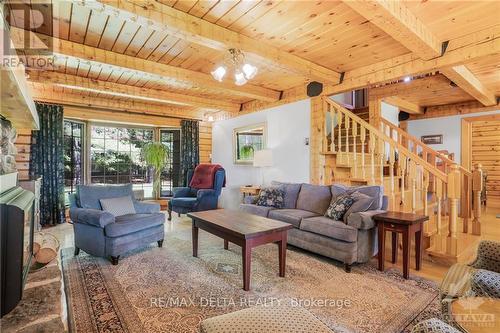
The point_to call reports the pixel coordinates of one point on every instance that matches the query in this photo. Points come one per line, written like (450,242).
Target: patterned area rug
(167,290)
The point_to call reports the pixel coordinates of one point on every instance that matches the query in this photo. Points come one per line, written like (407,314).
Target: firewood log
(47,249)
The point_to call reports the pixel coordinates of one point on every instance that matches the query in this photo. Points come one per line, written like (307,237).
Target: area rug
(168,290)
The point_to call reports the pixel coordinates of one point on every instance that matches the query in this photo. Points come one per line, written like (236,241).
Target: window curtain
(190,147)
(46,160)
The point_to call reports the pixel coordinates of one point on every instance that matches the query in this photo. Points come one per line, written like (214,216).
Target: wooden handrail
(430,168)
(424,147)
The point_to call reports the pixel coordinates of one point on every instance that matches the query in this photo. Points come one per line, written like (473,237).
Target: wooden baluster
(339,126)
(332,125)
(402,161)
(392,160)
(347,148)
(439,197)
(465,203)
(477,187)
(354,149)
(413,178)
(363,139)
(372,157)
(382,159)
(453,190)
(324,135)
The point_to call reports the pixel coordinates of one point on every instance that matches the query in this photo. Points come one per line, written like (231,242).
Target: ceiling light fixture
(234,61)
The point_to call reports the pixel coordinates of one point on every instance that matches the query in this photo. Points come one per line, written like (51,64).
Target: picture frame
(435,139)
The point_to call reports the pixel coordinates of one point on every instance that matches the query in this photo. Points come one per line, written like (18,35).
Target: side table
(409,225)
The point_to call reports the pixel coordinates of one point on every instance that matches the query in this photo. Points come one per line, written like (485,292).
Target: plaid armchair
(480,278)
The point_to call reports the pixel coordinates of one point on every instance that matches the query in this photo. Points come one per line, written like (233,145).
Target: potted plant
(156,155)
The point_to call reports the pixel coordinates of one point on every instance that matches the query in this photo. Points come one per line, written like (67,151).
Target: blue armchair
(102,234)
(187,199)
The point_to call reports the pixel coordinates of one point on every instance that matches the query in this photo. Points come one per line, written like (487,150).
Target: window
(247,140)
(115,154)
(73,155)
(170,177)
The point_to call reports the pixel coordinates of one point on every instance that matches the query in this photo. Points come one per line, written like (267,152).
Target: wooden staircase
(415,178)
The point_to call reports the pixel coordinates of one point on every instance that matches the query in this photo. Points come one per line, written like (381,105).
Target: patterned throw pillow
(339,206)
(271,197)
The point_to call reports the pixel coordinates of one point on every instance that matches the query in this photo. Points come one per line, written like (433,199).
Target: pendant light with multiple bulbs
(235,61)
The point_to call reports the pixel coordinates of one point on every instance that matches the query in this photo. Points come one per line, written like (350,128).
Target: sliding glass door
(170,177)
(74,134)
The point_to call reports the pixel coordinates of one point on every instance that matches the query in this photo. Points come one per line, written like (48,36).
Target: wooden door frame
(466,137)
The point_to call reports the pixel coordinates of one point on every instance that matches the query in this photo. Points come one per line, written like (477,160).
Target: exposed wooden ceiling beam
(466,80)
(454,109)
(400,23)
(115,89)
(404,105)
(461,50)
(181,76)
(395,19)
(45,93)
(177,23)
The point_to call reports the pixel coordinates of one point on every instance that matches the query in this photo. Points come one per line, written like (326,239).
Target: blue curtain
(46,160)
(190,147)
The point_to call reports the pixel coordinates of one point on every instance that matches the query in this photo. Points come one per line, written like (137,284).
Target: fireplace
(16,240)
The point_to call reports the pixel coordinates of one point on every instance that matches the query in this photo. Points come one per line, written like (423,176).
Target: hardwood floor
(430,270)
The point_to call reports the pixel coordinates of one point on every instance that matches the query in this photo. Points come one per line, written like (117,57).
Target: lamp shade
(263,158)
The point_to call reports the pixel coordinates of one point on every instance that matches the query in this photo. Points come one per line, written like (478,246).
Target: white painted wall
(450,127)
(287,128)
(390,113)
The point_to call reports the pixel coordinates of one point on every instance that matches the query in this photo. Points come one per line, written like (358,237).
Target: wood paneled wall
(485,150)
(23,153)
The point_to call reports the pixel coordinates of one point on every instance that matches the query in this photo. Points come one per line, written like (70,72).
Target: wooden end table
(245,230)
(409,225)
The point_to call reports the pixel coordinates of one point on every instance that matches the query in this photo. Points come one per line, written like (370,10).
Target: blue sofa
(101,234)
(188,199)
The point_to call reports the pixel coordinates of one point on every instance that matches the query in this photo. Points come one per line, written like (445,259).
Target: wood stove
(16,240)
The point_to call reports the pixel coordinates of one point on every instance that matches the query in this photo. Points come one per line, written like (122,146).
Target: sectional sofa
(353,240)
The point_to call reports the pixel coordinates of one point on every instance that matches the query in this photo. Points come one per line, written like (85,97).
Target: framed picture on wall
(435,139)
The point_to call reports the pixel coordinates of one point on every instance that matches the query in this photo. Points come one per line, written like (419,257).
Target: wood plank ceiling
(326,33)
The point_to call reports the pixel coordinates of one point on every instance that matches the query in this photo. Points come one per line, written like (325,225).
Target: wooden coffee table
(477,314)
(245,230)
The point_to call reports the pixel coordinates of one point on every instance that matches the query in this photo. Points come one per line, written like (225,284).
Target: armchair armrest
(180,192)
(485,283)
(146,207)
(433,325)
(363,220)
(204,193)
(93,217)
(488,256)
(250,199)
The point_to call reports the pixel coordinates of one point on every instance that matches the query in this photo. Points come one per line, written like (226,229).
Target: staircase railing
(439,161)
(413,172)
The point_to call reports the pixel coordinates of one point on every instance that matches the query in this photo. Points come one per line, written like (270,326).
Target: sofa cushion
(130,223)
(292,216)
(314,198)
(362,203)
(89,195)
(256,210)
(291,193)
(271,197)
(339,206)
(338,189)
(186,202)
(118,206)
(327,227)
(374,191)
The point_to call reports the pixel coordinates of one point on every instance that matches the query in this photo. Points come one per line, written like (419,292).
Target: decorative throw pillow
(271,197)
(339,206)
(362,203)
(118,206)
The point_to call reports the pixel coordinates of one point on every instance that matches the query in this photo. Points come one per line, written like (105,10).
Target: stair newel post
(477,187)
(372,157)
(439,197)
(332,125)
(453,191)
(363,139)
(392,159)
(339,134)
(465,202)
(347,128)
(354,149)
(425,186)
